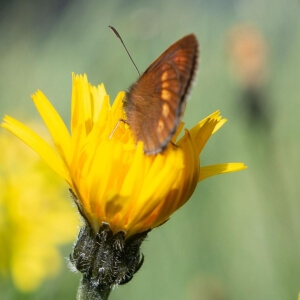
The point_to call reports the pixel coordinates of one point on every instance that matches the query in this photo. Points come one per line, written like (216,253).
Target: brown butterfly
(155,103)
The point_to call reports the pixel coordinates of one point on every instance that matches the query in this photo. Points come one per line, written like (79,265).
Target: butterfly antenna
(119,37)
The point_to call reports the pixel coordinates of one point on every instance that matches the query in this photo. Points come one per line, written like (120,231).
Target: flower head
(113,180)
(121,192)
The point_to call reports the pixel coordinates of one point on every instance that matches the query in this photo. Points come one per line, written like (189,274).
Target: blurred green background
(239,235)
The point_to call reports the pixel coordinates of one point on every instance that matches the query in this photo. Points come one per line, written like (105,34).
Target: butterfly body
(155,103)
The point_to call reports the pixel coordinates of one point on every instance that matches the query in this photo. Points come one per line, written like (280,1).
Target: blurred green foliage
(239,235)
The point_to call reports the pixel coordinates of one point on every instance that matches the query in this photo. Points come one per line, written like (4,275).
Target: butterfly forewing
(155,103)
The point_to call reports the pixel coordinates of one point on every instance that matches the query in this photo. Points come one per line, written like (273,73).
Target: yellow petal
(39,145)
(55,125)
(205,128)
(201,133)
(98,97)
(81,104)
(212,170)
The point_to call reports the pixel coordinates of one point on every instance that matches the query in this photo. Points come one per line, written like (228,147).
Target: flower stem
(88,292)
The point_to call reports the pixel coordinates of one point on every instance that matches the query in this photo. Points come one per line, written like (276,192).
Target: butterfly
(155,103)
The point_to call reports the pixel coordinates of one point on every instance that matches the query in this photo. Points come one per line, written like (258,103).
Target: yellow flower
(112,178)
(33,216)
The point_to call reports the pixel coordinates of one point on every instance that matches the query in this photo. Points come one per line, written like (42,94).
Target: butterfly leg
(114,130)
(173,144)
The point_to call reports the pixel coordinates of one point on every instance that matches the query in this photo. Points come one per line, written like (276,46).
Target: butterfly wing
(155,103)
